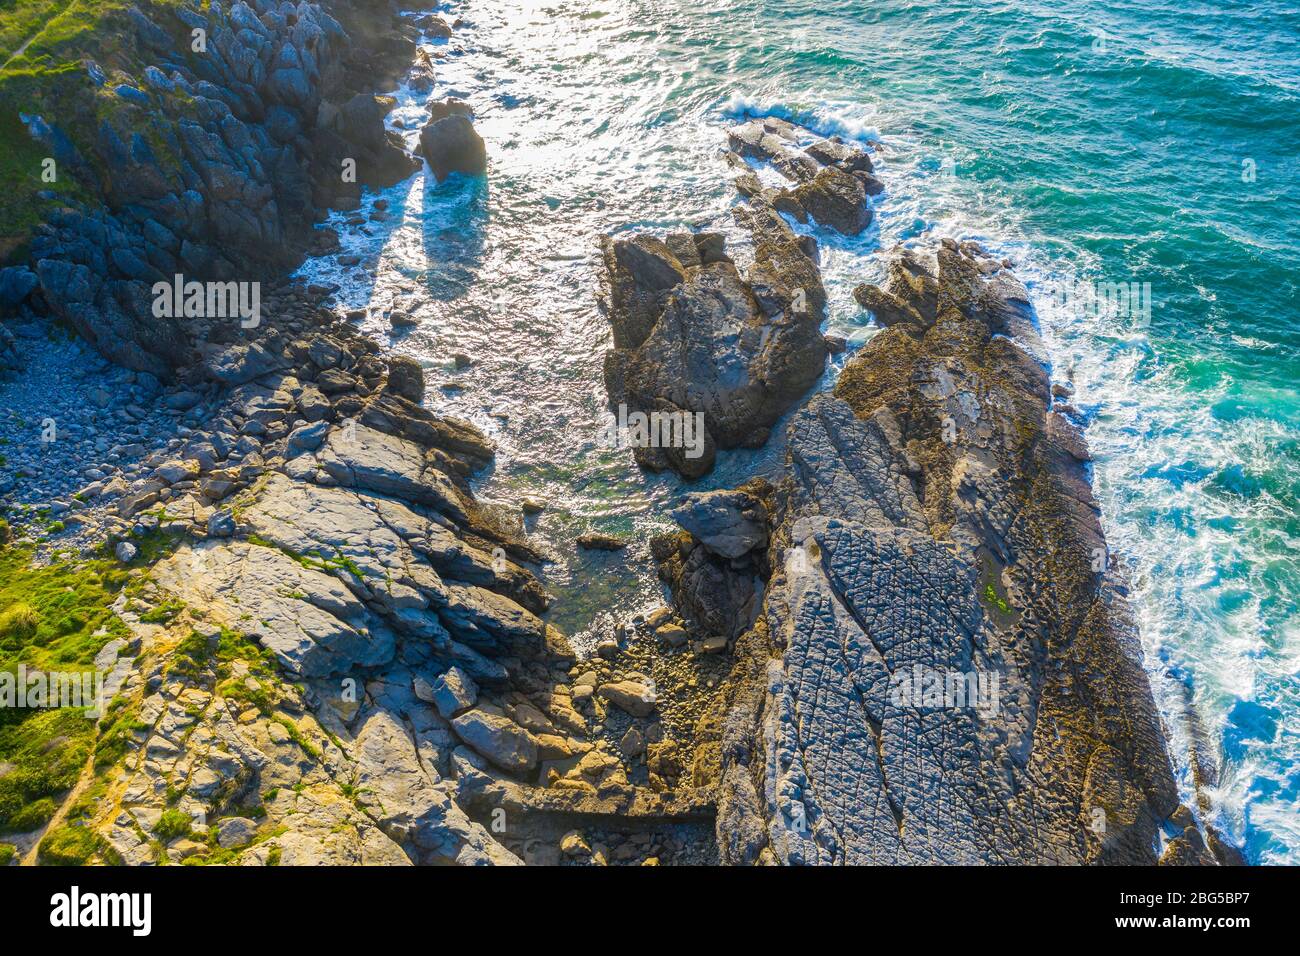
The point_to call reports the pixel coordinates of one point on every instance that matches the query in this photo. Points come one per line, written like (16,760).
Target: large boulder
(696,343)
(15,284)
(405,378)
(836,199)
(728,523)
(451,145)
(499,739)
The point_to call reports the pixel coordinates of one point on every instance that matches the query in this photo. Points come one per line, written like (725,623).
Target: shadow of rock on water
(454,228)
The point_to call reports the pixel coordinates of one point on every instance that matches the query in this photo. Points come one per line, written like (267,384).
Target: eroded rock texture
(343,660)
(935,522)
(213,166)
(831,179)
(692,335)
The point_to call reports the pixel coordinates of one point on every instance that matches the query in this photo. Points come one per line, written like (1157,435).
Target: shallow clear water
(1154,142)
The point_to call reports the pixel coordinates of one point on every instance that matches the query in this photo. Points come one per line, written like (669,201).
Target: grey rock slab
(453,692)
(312,623)
(357,456)
(499,739)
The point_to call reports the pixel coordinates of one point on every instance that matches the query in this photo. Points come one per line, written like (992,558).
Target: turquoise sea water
(1152,142)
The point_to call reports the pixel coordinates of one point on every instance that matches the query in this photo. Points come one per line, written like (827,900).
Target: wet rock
(836,199)
(640,272)
(451,145)
(601,542)
(405,377)
(448,107)
(707,357)
(831,179)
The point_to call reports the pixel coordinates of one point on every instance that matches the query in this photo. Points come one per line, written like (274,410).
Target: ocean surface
(1148,147)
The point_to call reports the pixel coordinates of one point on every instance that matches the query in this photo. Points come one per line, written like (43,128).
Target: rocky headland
(320,648)
(935,518)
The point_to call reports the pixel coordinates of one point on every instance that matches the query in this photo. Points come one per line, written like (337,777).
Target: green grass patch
(69,845)
(297,737)
(191,657)
(19,622)
(162,613)
(993,599)
(7,853)
(56,616)
(314,561)
(47,751)
(172,824)
(53,618)
(114,741)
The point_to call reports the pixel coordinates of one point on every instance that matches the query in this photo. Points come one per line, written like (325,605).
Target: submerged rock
(601,542)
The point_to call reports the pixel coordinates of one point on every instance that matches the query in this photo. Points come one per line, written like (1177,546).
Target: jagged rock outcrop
(944,670)
(370,591)
(832,178)
(693,337)
(212,168)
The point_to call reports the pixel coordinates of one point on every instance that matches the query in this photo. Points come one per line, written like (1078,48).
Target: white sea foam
(851,121)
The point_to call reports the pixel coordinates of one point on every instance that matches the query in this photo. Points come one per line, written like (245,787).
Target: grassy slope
(55,617)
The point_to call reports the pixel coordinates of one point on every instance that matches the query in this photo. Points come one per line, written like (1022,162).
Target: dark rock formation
(213,167)
(692,336)
(832,178)
(943,670)
(451,145)
(355,131)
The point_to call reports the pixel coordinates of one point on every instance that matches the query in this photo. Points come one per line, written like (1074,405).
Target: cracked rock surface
(937,673)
